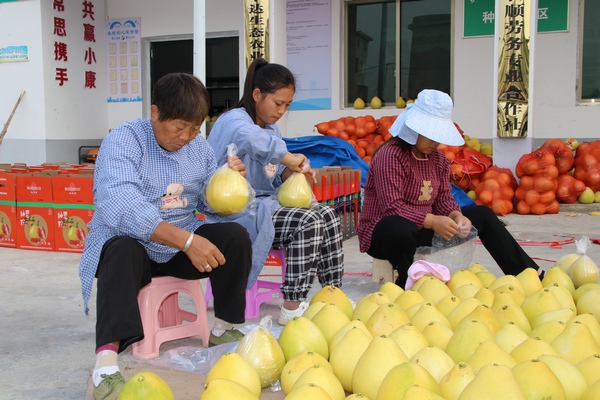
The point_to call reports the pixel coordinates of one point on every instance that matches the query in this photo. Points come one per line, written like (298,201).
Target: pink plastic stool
(263,290)
(163,319)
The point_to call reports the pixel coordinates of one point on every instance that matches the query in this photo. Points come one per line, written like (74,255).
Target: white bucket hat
(430,116)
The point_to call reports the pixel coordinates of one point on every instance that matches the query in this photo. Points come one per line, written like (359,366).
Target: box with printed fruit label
(35,211)
(73,209)
(8,210)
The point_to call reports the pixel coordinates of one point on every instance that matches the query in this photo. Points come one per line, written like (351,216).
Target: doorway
(222,66)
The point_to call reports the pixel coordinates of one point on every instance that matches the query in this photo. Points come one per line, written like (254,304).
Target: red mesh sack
(563,154)
(536,193)
(568,189)
(496,189)
(587,164)
(467,165)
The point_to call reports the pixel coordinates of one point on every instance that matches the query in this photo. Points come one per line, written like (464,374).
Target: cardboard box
(35,211)
(8,210)
(73,210)
(339,187)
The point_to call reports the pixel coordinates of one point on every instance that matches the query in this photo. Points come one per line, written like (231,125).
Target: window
(397,48)
(590,64)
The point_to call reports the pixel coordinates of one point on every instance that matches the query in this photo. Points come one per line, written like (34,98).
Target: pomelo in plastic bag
(260,348)
(583,270)
(227,192)
(295,192)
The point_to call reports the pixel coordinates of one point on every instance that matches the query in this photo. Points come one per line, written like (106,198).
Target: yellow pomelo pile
(476,336)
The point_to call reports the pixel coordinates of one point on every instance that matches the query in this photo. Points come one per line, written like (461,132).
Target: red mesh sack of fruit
(569,188)
(450,151)
(562,153)
(467,165)
(536,193)
(496,189)
(587,164)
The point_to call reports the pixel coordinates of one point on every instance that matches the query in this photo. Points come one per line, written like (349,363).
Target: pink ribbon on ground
(423,268)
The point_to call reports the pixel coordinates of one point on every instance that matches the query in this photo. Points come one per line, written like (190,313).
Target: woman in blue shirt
(149,178)
(312,236)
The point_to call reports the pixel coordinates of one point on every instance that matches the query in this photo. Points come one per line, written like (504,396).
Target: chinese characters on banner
(123,59)
(61,43)
(513,68)
(256,19)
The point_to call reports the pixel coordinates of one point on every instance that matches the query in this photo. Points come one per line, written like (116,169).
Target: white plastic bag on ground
(455,253)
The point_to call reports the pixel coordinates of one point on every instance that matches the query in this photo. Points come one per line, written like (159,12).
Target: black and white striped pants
(313,239)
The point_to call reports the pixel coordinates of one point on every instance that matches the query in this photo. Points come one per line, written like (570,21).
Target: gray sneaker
(286,315)
(110,386)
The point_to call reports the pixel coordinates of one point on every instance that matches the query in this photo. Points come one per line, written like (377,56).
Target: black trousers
(125,268)
(396,239)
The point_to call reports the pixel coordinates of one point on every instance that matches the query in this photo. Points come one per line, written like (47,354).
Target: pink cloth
(423,268)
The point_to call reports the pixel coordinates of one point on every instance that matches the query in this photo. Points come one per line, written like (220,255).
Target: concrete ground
(47,342)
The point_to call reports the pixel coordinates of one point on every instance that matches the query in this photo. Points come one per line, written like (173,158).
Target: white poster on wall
(123,60)
(308,27)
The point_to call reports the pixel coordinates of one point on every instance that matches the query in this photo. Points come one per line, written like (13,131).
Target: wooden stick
(11,116)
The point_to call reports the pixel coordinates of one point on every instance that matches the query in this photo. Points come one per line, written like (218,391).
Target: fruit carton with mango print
(8,210)
(73,209)
(35,211)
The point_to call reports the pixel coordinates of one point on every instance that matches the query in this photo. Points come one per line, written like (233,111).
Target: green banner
(478,17)
(553,15)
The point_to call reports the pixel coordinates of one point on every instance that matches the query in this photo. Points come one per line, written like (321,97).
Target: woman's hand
(444,226)
(464,223)
(294,162)
(309,173)
(204,255)
(236,164)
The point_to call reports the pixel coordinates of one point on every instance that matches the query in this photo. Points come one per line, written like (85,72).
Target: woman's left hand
(236,164)
(464,225)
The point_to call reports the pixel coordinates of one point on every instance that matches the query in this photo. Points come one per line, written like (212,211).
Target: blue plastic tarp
(328,151)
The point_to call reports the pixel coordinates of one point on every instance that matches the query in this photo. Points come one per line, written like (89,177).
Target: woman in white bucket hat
(408,196)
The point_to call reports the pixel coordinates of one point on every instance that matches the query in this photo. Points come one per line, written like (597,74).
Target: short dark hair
(268,78)
(181,96)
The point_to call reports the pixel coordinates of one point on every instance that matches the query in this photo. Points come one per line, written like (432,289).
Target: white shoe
(286,315)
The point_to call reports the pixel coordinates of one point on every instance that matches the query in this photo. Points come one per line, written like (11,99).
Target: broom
(10,117)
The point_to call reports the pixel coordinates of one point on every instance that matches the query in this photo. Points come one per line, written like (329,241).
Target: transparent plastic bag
(455,253)
(296,191)
(584,269)
(228,192)
(260,348)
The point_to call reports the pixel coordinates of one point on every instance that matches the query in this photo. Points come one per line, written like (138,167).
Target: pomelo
(235,368)
(146,385)
(301,334)
(335,295)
